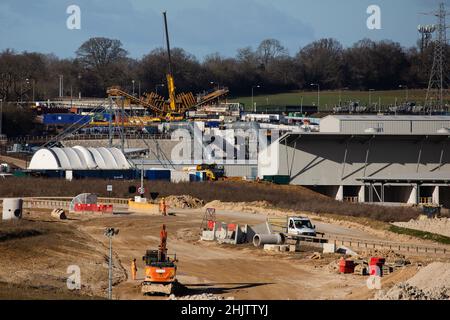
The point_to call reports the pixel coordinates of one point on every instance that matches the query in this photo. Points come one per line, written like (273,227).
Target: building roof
(79,158)
(389,117)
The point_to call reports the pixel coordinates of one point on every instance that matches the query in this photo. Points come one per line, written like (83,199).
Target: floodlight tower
(426,32)
(438,74)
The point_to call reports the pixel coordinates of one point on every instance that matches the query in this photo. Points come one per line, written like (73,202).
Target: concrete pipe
(12,208)
(262,239)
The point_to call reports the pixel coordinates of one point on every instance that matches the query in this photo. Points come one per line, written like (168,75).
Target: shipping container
(65,119)
(157,174)
(212,124)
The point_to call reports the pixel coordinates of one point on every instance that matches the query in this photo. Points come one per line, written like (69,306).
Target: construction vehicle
(213,171)
(160,269)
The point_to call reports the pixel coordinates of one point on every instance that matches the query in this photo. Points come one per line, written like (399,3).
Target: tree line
(101,62)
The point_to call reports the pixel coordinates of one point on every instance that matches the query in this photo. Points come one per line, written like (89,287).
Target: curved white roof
(79,158)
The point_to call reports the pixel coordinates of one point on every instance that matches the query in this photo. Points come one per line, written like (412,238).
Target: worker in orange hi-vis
(163,207)
(133,269)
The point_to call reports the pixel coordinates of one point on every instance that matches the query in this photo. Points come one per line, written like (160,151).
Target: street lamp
(61,86)
(406,90)
(253,104)
(318,94)
(110,233)
(370,96)
(132,81)
(1,116)
(157,86)
(79,86)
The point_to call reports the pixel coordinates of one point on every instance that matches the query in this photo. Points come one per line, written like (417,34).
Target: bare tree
(102,56)
(270,49)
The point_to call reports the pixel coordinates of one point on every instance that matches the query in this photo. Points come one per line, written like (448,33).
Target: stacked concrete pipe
(260,240)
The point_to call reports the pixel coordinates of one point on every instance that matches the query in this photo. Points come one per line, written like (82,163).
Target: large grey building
(400,167)
(385,124)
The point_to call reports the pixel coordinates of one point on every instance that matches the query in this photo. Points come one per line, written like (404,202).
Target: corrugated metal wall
(425,127)
(391,126)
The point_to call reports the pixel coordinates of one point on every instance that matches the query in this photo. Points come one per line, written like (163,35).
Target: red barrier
(103,208)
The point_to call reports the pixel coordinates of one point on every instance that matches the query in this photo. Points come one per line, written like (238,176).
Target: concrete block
(293,248)
(329,248)
(271,247)
(284,248)
(208,236)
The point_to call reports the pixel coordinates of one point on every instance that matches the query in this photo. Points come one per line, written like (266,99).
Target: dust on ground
(36,255)
(38,252)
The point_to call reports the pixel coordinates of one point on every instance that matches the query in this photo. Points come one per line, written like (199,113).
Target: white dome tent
(79,158)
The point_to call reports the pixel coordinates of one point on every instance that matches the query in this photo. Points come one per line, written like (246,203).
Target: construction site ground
(37,251)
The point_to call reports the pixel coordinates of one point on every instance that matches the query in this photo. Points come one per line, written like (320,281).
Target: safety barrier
(356,244)
(64,202)
(83,207)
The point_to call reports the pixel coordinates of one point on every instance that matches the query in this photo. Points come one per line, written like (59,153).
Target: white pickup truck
(301,226)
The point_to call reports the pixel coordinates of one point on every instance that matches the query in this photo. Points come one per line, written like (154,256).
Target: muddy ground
(37,251)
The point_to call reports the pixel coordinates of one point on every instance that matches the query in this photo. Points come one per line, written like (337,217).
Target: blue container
(152,129)
(105,174)
(193,177)
(157,174)
(201,175)
(65,119)
(212,124)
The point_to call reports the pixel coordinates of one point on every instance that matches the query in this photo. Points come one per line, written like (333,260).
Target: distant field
(328,99)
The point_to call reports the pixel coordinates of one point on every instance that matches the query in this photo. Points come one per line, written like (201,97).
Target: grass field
(328,99)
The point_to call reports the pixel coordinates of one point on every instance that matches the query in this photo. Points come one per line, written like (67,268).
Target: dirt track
(242,272)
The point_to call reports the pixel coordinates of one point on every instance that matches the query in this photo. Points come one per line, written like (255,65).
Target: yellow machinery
(177,105)
(213,171)
(169,76)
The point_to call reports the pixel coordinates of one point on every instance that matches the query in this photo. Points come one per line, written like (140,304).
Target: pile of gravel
(430,283)
(204,296)
(405,291)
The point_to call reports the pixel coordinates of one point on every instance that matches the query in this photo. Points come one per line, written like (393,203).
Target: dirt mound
(405,291)
(262,207)
(430,283)
(439,225)
(184,202)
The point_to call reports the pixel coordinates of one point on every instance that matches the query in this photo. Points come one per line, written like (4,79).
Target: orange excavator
(160,270)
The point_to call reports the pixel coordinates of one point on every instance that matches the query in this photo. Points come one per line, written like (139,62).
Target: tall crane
(169,76)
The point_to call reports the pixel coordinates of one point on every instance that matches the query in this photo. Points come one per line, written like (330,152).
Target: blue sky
(205,26)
